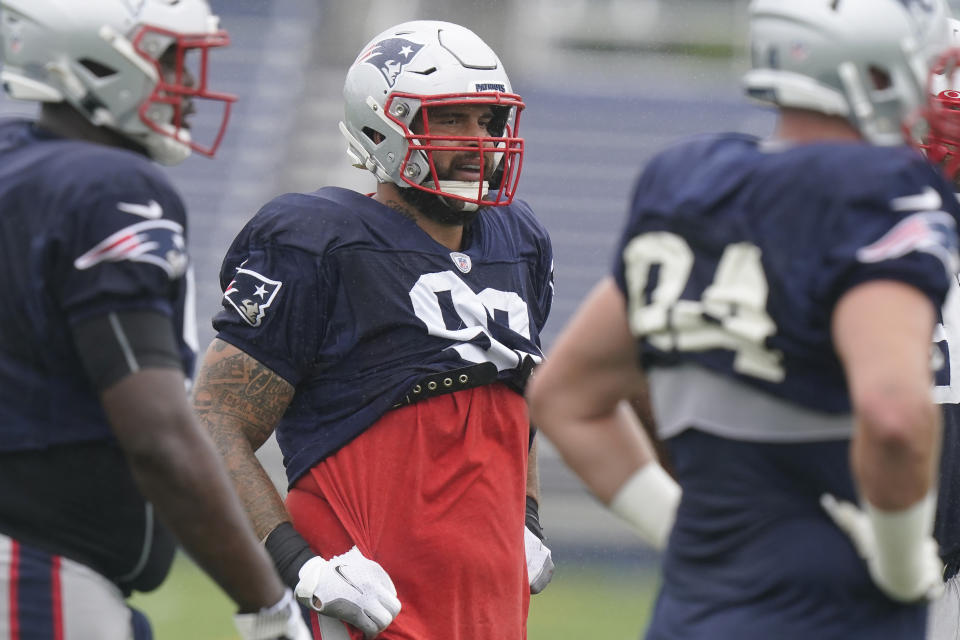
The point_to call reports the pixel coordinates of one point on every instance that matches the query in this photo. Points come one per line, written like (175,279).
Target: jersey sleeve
(546,289)
(643,184)
(543,278)
(122,245)
(273,301)
(906,232)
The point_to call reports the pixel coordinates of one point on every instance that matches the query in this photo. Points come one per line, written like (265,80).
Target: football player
(100,451)
(940,145)
(944,617)
(779,297)
(387,338)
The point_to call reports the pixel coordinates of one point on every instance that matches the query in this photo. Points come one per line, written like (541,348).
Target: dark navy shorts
(754,556)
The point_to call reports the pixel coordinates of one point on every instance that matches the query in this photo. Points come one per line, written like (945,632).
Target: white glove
(539,561)
(351,588)
(904,564)
(282,621)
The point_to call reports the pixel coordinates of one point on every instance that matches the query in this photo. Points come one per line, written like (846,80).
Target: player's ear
(375,136)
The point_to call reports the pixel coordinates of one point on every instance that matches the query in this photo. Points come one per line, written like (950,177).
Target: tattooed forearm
(239,402)
(234,388)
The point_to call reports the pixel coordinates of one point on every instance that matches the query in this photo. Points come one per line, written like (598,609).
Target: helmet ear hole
(375,136)
(98,69)
(880,78)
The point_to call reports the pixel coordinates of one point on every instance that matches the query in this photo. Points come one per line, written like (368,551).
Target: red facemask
(941,140)
(503,152)
(179,87)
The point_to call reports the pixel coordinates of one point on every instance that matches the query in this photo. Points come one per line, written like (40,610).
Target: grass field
(583,601)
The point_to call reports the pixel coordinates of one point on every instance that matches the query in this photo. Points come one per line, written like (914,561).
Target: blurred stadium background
(607,83)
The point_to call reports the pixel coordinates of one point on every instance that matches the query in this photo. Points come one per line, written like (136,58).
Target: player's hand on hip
(351,588)
(539,561)
(915,575)
(282,621)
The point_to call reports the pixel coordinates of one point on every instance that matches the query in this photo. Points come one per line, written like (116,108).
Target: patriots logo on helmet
(932,232)
(135,6)
(251,294)
(924,5)
(156,242)
(922,12)
(390,56)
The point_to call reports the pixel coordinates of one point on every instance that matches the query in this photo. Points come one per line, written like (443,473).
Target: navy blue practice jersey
(85,229)
(353,303)
(735,255)
(732,261)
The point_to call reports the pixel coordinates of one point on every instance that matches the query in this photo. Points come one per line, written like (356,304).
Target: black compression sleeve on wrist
(532,519)
(289,552)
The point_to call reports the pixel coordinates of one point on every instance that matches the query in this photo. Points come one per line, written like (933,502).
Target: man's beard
(433,207)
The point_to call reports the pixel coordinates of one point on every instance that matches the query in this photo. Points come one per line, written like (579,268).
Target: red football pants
(435,493)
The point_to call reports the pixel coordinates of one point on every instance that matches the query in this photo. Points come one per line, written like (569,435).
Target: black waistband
(436,384)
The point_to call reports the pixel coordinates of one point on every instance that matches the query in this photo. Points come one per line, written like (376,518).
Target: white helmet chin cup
(419,65)
(102,58)
(865,60)
(470,194)
(170,149)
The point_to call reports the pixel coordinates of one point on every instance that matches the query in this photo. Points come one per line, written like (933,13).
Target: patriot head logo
(156,242)
(390,57)
(932,232)
(923,13)
(135,7)
(251,294)
(925,6)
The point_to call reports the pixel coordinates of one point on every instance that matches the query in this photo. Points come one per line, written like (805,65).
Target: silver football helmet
(103,58)
(397,78)
(866,60)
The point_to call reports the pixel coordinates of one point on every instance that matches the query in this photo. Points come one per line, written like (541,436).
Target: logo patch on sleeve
(156,242)
(251,294)
(932,232)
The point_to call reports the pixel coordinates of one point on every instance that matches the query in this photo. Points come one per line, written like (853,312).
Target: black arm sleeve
(289,552)
(532,517)
(114,345)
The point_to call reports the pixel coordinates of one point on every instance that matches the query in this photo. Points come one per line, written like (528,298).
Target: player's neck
(802,126)
(63,120)
(448,235)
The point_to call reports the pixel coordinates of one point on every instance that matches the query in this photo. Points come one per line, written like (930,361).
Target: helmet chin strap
(464,188)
